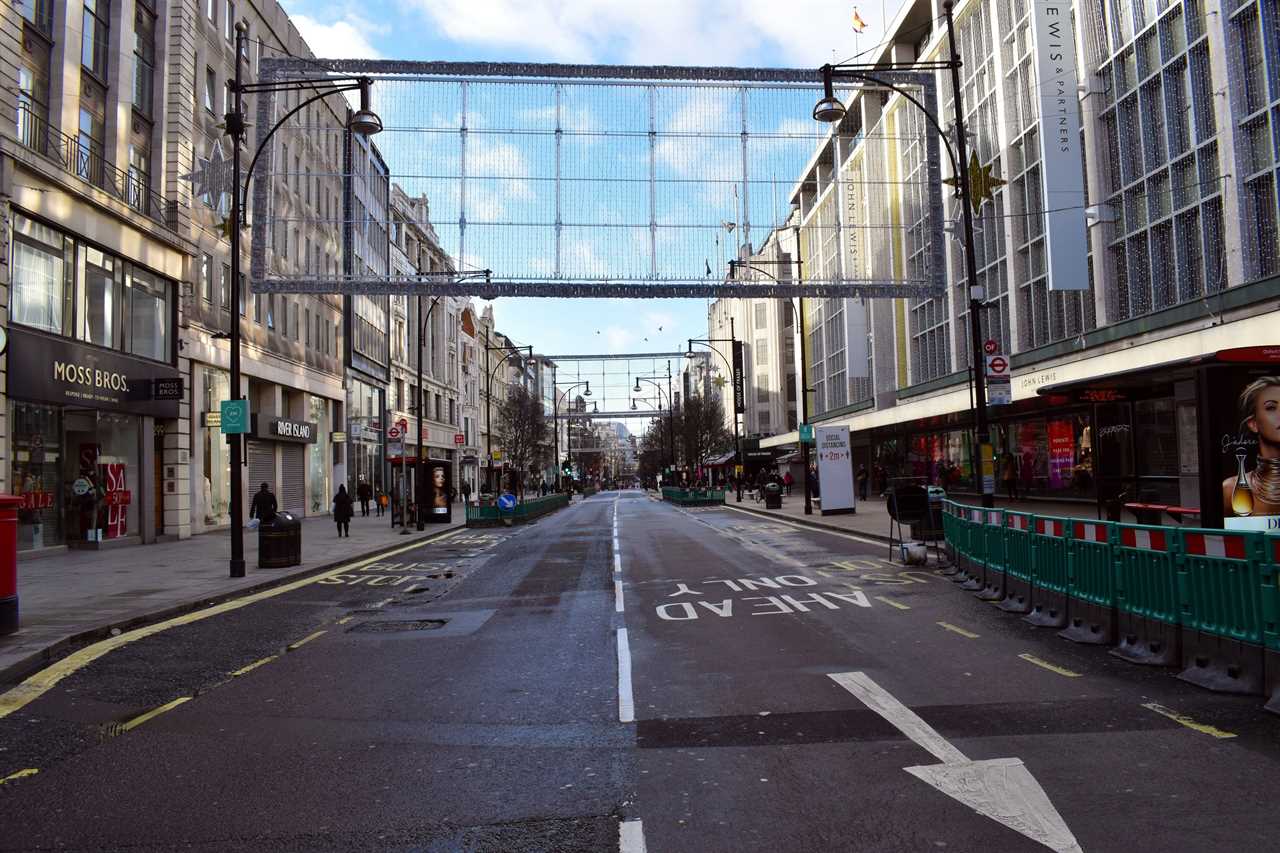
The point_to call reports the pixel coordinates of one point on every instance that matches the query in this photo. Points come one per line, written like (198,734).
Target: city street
(625,674)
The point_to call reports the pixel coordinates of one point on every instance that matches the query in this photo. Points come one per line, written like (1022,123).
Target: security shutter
(293,473)
(262,467)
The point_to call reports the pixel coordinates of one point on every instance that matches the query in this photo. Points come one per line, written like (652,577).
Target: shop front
(86,427)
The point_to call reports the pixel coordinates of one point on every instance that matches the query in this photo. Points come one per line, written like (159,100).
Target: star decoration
(981,182)
(213,177)
(719,381)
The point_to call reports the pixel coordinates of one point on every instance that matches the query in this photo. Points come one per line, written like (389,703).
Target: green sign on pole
(235,416)
(806,433)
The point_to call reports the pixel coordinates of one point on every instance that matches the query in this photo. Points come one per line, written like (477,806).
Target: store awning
(1115,386)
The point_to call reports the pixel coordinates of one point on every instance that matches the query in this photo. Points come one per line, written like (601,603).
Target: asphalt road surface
(627,675)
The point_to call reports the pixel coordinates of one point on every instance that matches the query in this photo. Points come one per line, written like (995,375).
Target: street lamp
(830,109)
(555,420)
(488,397)
(671,445)
(363,122)
(737,441)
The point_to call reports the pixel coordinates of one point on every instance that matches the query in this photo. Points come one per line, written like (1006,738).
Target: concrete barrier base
(993,586)
(1271,679)
(1221,664)
(1147,641)
(1017,595)
(1089,623)
(1048,608)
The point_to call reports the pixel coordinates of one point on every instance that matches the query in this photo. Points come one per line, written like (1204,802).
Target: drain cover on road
(399,625)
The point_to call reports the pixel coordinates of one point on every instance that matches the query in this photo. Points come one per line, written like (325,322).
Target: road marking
(631,836)
(810,529)
(345,619)
(251,667)
(626,704)
(617,596)
(1184,720)
(37,685)
(962,632)
(31,771)
(1030,658)
(153,713)
(294,646)
(999,788)
(892,603)
(617,561)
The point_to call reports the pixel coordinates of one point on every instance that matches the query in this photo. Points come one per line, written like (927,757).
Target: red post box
(9,563)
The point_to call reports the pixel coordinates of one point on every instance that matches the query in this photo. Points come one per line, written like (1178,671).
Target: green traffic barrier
(693,497)
(1051,574)
(1271,620)
(1221,594)
(975,572)
(994,555)
(952,531)
(1019,566)
(1091,583)
(1147,598)
(524,511)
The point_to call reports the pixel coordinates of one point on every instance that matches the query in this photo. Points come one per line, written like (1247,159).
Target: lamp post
(831,109)
(363,122)
(737,441)
(418,410)
(671,446)
(555,420)
(488,397)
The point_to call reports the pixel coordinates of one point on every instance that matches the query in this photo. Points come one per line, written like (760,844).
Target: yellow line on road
(21,774)
(892,603)
(293,646)
(345,619)
(1040,662)
(154,712)
(251,667)
(1184,720)
(37,685)
(962,632)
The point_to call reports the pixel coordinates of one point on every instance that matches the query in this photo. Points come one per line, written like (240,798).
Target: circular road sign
(998,364)
(393,432)
(506,502)
(990,346)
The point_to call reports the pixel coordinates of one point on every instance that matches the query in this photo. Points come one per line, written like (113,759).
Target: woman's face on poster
(1265,420)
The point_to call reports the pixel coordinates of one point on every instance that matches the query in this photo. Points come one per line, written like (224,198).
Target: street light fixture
(555,420)
(671,444)
(363,122)
(737,440)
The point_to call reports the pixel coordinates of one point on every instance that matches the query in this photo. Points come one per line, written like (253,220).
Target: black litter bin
(772,496)
(280,542)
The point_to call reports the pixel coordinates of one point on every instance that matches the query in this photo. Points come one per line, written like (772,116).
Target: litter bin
(772,496)
(280,542)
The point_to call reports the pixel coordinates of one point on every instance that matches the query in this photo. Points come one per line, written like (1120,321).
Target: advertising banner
(739,382)
(1053,32)
(434,492)
(1244,422)
(835,470)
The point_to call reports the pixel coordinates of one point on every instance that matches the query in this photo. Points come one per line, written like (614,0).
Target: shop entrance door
(159,483)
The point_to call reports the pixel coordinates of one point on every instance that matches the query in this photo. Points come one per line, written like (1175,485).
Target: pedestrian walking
(813,483)
(788,481)
(342,512)
(381,502)
(264,505)
(364,494)
(1009,474)
(466,492)
(863,478)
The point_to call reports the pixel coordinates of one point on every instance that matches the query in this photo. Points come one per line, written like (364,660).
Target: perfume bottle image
(1242,494)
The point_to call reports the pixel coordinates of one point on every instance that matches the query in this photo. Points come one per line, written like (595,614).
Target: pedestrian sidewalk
(872,517)
(78,596)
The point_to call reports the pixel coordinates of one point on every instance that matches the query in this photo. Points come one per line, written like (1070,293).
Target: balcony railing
(133,187)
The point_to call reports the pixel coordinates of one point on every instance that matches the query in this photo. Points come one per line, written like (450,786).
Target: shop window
(1154,421)
(36,476)
(216,484)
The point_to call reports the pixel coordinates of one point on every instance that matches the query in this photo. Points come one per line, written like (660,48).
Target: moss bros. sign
(48,369)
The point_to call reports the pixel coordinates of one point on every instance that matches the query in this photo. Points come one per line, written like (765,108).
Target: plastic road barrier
(1051,552)
(994,555)
(1091,581)
(1147,595)
(1019,564)
(1271,620)
(1221,603)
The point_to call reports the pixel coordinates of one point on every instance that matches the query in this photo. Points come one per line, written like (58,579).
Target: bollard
(9,564)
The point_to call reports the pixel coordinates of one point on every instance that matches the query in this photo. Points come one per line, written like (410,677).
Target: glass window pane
(38,284)
(99,298)
(148,317)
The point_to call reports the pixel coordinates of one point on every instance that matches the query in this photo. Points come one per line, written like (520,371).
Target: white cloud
(345,38)
(618,339)
(688,32)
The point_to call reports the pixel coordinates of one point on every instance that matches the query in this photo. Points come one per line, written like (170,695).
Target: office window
(244,287)
(224,288)
(762,311)
(94,37)
(257,308)
(761,355)
(229,25)
(206,277)
(271,310)
(297,332)
(211,10)
(144,57)
(210,89)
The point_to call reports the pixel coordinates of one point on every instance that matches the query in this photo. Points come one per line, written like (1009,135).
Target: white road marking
(617,595)
(626,704)
(811,529)
(631,836)
(999,788)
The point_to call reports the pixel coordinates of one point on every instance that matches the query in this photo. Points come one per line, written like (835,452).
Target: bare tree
(522,428)
(700,430)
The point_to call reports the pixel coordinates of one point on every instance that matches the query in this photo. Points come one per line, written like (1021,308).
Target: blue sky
(770,33)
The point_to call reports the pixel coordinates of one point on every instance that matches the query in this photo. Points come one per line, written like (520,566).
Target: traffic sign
(395,449)
(997,365)
(459,438)
(506,502)
(806,433)
(990,347)
(235,416)
(393,433)
(999,393)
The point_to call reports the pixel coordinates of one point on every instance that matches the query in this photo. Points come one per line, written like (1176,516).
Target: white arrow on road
(1002,789)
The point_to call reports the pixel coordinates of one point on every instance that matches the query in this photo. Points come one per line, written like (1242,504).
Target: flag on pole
(858,24)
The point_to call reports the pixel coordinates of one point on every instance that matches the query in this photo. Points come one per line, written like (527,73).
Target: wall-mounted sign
(49,369)
(212,419)
(283,429)
(739,382)
(234,417)
(167,389)
(338,437)
(459,438)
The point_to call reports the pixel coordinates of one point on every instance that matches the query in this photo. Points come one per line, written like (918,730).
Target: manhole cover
(398,625)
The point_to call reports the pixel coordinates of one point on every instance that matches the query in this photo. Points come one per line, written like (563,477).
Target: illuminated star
(981,182)
(212,178)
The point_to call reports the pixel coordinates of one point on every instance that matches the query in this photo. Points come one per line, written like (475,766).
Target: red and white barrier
(1147,540)
(1017,522)
(1091,532)
(1049,527)
(1209,545)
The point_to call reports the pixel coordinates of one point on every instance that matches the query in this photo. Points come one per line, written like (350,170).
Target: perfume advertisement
(1247,436)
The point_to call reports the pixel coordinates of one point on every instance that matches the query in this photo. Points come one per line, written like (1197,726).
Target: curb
(16,672)
(804,522)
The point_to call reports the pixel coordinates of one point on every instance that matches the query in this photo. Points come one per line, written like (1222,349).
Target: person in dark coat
(264,505)
(342,512)
(364,494)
